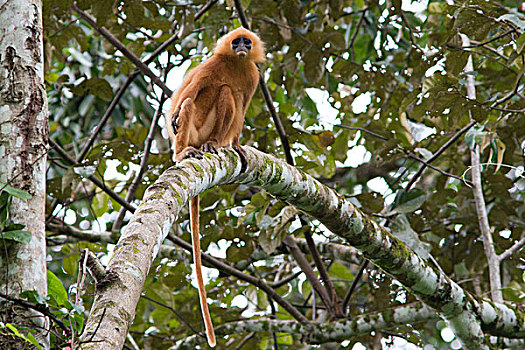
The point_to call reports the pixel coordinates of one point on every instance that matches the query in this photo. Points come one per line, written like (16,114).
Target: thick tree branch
(141,239)
(81,235)
(319,333)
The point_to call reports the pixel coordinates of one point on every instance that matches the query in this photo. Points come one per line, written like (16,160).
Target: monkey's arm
(192,85)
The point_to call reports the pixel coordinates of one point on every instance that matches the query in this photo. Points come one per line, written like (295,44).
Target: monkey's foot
(242,155)
(210,147)
(188,152)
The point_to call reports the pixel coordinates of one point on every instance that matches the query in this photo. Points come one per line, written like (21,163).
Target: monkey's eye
(241,43)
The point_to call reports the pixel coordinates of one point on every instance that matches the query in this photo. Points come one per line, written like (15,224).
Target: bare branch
(512,250)
(481,209)
(309,273)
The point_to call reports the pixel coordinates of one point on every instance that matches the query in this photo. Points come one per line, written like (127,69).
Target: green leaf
(341,272)
(95,86)
(461,271)
(407,202)
(30,338)
(17,236)
(360,3)
(372,202)
(5,199)
(475,136)
(55,288)
(33,297)
(520,43)
(15,192)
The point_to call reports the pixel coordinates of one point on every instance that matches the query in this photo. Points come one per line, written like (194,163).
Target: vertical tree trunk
(23,140)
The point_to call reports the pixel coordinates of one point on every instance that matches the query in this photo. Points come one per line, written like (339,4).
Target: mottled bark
(23,140)
(319,333)
(116,299)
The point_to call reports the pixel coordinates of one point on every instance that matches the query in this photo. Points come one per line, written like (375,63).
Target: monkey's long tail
(195,240)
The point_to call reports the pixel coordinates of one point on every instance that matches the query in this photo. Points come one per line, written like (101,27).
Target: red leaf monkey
(208,112)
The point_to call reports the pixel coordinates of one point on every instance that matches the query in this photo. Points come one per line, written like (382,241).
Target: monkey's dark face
(241,45)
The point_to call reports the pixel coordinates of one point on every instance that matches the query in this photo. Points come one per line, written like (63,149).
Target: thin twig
(512,250)
(357,278)
(510,94)
(285,280)
(361,129)
(245,340)
(122,48)
(93,178)
(354,35)
(330,288)
(477,190)
(205,8)
(478,44)
(98,326)
(425,163)
(491,107)
(179,316)
(439,152)
(410,31)
(40,308)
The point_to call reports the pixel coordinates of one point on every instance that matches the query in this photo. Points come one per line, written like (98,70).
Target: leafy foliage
(392,85)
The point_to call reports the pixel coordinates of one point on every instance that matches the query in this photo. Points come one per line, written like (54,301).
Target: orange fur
(208,112)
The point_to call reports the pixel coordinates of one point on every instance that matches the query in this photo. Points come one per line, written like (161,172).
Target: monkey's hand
(210,147)
(188,152)
(242,154)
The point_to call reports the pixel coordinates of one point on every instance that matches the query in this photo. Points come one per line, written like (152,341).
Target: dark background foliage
(392,72)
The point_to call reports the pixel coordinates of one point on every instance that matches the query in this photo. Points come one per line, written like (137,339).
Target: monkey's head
(241,43)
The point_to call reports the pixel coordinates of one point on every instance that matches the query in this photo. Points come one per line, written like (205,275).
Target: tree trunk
(23,140)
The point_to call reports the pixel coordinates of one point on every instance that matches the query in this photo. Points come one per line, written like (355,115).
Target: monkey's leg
(188,152)
(223,118)
(183,126)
